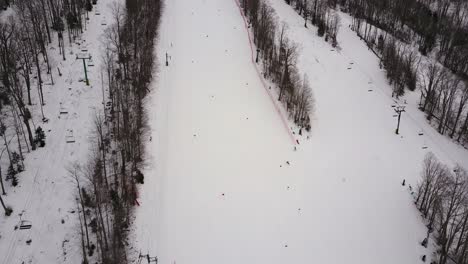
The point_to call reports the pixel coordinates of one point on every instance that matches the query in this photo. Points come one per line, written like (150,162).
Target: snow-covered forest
(74,77)
(234,131)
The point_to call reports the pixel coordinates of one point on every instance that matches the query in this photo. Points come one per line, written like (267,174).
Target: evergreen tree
(11,174)
(40,137)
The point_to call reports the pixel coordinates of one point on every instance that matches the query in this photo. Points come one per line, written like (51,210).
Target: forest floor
(224,184)
(46,193)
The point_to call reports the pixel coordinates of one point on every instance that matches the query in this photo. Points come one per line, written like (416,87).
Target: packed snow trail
(215,132)
(224,184)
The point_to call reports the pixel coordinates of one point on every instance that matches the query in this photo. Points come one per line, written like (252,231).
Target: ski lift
(148,258)
(23,224)
(90,63)
(62,110)
(69,138)
(424,145)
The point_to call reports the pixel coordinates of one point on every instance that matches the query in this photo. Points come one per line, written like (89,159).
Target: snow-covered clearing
(218,188)
(46,193)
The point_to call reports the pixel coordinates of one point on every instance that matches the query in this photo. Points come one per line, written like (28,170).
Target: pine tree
(11,174)
(40,137)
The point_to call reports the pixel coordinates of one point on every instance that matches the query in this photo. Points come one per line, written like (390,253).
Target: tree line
(438,26)
(25,67)
(389,28)
(444,99)
(106,184)
(400,64)
(278,55)
(400,60)
(442,198)
(322,14)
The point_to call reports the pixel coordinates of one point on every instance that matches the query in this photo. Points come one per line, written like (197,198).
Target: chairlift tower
(399,109)
(84,56)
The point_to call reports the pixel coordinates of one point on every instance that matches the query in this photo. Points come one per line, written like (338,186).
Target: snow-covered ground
(46,193)
(218,188)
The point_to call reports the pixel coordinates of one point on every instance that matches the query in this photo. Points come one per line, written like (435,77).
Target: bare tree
(432,76)
(462,100)
(74,172)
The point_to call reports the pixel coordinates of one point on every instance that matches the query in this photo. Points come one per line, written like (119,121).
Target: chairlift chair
(69,138)
(63,110)
(24,224)
(424,145)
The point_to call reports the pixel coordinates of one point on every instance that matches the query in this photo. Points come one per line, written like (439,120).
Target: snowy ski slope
(218,188)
